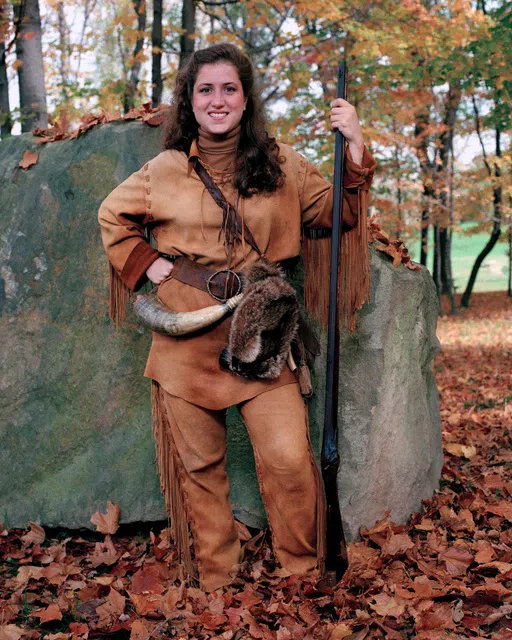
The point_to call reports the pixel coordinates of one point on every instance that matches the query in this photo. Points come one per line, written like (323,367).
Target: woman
(216,124)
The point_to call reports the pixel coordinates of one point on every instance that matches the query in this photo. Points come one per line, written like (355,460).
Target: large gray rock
(75,426)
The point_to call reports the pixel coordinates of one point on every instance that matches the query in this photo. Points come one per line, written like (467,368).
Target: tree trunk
(446,140)
(496,230)
(135,65)
(156,58)
(422,120)
(5,108)
(29,53)
(188,24)
(64,50)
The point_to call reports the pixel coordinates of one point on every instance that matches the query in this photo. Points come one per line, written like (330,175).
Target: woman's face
(218,99)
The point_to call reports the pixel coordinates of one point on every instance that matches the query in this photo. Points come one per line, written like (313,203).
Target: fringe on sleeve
(119,298)
(354,274)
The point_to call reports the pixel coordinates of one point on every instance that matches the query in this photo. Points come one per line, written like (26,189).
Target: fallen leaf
(461,450)
(503,509)
(52,612)
(25,574)
(104,553)
(110,610)
(397,544)
(147,580)
(340,631)
(10,632)
(146,604)
(485,552)
(438,616)
(36,535)
(211,620)
(107,522)
(503,611)
(78,628)
(386,605)
(457,559)
(29,159)
(141,629)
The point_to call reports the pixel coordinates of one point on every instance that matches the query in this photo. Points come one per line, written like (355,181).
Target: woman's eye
(230,89)
(204,90)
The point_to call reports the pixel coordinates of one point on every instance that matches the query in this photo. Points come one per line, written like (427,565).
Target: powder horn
(152,314)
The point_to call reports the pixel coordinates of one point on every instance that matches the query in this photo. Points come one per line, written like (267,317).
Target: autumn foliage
(447,573)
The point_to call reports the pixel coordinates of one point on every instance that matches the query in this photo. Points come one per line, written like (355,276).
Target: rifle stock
(336,561)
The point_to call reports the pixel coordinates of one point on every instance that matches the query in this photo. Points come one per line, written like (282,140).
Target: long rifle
(336,561)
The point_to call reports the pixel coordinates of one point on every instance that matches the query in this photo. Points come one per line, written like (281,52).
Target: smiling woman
(221,197)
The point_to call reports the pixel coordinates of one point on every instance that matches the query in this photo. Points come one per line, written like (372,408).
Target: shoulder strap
(226,207)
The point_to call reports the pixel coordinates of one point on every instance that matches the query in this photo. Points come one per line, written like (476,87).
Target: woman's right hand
(159,270)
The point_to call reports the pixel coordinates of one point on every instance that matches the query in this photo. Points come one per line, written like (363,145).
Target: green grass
(492,275)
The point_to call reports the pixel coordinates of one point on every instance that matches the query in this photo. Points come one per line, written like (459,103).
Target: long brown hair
(257,163)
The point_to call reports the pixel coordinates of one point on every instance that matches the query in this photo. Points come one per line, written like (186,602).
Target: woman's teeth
(218,116)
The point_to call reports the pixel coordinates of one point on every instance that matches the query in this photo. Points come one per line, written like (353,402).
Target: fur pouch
(264,324)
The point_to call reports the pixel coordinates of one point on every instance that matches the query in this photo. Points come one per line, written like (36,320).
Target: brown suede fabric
(185,220)
(287,472)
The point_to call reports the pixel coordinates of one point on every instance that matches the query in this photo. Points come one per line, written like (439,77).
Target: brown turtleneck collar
(218,151)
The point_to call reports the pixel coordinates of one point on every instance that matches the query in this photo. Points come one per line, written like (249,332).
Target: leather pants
(288,476)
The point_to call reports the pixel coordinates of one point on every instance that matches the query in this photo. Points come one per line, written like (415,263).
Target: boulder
(75,427)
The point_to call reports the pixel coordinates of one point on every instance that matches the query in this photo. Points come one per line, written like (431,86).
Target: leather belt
(221,284)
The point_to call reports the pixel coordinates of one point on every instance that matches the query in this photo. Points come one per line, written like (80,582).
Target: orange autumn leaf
(340,631)
(392,251)
(212,621)
(104,553)
(29,159)
(36,535)
(141,629)
(396,544)
(78,628)
(11,632)
(147,580)
(485,552)
(386,605)
(110,610)
(107,522)
(503,509)
(26,573)
(438,616)
(457,559)
(52,612)
(146,604)
(456,449)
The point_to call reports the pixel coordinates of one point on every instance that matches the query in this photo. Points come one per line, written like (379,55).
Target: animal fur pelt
(264,325)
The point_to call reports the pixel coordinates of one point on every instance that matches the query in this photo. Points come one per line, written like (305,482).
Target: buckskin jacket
(168,195)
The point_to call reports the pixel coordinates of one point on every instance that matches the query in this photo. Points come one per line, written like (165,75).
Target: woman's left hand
(344,118)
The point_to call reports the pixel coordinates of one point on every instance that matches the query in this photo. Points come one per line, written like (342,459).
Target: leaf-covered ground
(445,574)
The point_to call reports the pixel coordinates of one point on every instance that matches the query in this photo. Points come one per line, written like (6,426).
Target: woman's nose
(217,99)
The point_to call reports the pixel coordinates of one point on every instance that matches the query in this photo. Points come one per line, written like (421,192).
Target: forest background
(431,81)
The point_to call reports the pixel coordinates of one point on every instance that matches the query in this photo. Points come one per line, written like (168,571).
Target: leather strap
(220,284)
(219,198)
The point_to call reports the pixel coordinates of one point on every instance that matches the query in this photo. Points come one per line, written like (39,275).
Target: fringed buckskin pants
(191,453)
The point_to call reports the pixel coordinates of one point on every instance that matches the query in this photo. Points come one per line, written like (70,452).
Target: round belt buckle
(209,283)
